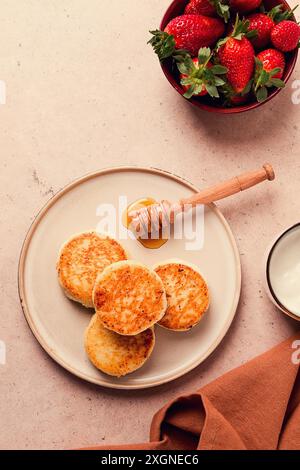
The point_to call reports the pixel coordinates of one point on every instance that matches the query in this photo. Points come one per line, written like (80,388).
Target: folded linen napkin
(255,406)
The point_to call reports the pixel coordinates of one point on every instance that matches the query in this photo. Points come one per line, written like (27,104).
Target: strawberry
(200,7)
(199,76)
(270,66)
(208,8)
(285,35)
(187,32)
(237,54)
(244,6)
(272,59)
(263,24)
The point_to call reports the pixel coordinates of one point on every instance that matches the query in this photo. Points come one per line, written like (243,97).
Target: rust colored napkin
(256,406)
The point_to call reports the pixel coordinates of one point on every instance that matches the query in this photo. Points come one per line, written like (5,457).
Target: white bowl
(280,271)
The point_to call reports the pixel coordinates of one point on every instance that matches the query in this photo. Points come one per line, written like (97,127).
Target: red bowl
(177,8)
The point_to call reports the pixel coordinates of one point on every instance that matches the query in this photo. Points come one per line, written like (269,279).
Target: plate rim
(22,260)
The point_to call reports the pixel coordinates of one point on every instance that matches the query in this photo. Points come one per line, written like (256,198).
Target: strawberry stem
(164,45)
(201,76)
(264,80)
(222,9)
(240,29)
(277,14)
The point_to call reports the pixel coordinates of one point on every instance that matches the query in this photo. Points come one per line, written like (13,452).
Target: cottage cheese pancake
(115,354)
(187,294)
(129,297)
(81,259)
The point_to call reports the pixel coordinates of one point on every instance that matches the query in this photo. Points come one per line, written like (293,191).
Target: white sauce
(284,270)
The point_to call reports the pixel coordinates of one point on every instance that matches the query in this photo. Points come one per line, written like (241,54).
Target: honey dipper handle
(232,186)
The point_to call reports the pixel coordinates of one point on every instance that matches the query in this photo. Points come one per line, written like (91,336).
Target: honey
(150,243)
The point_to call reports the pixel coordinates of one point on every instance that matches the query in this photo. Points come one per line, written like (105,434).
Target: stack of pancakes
(128,298)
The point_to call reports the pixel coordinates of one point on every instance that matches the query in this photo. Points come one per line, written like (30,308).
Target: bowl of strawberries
(227,56)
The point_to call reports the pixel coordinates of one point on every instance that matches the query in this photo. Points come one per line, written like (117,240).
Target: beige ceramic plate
(59,324)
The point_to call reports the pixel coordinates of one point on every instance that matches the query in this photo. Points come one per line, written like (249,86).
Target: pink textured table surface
(85,92)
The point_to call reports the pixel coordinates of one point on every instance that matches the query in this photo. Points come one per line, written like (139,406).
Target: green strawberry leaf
(207,75)
(264,77)
(227,93)
(278,14)
(252,34)
(221,42)
(275,71)
(212,90)
(241,29)
(219,81)
(219,69)
(264,80)
(277,82)
(183,68)
(258,71)
(164,46)
(186,66)
(222,9)
(190,92)
(198,89)
(204,55)
(247,88)
(180,55)
(275,12)
(262,94)
(186,81)
(258,63)
(162,43)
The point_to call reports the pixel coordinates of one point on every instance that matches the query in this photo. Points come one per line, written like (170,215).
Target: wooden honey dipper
(157,216)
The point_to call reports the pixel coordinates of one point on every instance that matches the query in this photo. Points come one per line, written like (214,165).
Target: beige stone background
(85,92)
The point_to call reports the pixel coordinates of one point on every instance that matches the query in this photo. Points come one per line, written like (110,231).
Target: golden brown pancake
(129,297)
(81,259)
(115,354)
(187,295)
